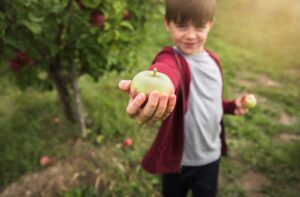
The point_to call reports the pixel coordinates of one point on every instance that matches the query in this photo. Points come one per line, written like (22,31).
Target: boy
(191,139)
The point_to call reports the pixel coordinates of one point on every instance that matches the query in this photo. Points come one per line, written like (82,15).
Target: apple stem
(154,72)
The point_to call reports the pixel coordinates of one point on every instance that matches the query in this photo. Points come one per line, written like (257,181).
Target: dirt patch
(253,183)
(266,81)
(261,80)
(288,137)
(61,176)
(285,119)
(293,72)
(80,170)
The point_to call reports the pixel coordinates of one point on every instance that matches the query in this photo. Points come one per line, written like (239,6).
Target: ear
(211,23)
(167,25)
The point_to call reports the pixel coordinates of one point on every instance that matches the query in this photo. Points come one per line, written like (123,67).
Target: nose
(191,33)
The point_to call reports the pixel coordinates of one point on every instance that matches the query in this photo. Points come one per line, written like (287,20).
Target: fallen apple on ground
(56,120)
(148,81)
(249,101)
(127,142)
(45,160)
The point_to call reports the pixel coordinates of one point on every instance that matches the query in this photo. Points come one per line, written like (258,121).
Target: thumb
(125,85)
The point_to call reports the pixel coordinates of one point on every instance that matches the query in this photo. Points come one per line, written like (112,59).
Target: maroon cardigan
(164,156)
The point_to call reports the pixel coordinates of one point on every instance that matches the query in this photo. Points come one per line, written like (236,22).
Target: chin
(189,52)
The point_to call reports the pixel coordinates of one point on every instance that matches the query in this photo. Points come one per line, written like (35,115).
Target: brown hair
(199,12)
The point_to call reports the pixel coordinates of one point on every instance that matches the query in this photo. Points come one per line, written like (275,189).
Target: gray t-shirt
(202,143)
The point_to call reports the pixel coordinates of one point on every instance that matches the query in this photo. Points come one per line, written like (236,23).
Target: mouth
(189,45)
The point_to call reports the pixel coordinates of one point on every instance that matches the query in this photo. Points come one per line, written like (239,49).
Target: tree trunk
(64,96)
(69,95)
(79,107)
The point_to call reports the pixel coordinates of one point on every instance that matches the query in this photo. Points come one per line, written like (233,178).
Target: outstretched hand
(148,110)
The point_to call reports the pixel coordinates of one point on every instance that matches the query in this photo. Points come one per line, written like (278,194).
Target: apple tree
(50,43)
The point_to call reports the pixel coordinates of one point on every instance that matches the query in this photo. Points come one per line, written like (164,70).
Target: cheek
(202,36)
(176,37)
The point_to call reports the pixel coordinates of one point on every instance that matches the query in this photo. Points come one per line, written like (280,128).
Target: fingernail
(140,96)
(121,83)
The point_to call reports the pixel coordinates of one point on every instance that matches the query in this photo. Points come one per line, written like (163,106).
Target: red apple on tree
(249,101)
(97,19)
(147,81)
(126,15)
(15,66)
(22,58)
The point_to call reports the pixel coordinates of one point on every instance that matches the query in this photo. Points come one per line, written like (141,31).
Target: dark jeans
(202,180)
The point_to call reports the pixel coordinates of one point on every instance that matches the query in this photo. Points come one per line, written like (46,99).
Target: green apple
(147,81)
(249,101)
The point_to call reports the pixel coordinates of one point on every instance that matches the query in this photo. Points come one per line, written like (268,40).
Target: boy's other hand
(240,110)
(148,110)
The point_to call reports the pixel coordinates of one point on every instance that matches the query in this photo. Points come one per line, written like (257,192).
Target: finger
(237,112)
(161,109)
(240,111)
(135,104)
(238,103)
(171,106)
(125,85)
(150,107)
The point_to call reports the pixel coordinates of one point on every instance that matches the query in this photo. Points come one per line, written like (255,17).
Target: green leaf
(2,16)
(117,35)
(33,27)
(2,25)
(107,26)
(118,6)
(35,19)
(127,25)
(91,3)
(30,2)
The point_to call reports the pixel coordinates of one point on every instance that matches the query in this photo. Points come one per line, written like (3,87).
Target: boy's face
(187,37)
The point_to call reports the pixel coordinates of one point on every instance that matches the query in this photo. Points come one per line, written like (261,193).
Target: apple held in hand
(147,81)
(249,101)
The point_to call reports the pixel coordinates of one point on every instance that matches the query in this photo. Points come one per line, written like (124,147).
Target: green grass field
(257,42)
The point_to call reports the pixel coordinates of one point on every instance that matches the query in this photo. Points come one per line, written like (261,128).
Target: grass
(257,42)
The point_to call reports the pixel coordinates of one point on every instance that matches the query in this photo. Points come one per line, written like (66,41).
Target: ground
(76,171)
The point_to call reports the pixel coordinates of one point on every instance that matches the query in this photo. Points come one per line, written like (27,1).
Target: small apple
(147,81)
(15,66)
(126,15)
(100,139)
(56,120)
(249,101)
(127,142)
(22,58)
(45,160)
(97,19)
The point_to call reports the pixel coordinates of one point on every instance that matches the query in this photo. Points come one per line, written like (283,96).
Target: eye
(200,28)
(181,25)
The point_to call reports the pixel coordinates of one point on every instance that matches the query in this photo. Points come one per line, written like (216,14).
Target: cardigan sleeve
(229,106)
(166,64)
